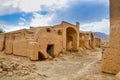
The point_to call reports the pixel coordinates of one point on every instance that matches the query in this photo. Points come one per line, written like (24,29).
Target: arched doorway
(71,39)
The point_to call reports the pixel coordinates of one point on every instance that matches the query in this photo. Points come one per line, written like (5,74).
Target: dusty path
(72,66)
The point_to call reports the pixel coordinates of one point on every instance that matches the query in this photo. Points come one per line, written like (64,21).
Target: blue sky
(93,15)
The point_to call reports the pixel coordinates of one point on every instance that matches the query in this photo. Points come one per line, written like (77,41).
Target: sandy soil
(83,65)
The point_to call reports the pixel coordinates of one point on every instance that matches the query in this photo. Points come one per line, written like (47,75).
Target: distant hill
(103,36)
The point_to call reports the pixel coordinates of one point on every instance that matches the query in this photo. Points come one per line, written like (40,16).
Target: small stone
(32,66)
(55,59)
(10,73)
(5,66)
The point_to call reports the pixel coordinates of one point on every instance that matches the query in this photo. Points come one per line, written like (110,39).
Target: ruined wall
(42,42)
(2,40)
(39,43)
(69,34)
(81,40)
(49,41)
(35,51)
(20,43)
(70,31)
(87,39)
(82,43)
(97,42)
(9,39)
(111,53)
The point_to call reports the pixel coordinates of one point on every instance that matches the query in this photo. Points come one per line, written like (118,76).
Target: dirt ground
(83,65)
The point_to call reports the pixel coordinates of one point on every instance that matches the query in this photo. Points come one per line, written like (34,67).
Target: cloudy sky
(93,15)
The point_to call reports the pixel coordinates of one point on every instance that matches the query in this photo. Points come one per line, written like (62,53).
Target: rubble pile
(10,68)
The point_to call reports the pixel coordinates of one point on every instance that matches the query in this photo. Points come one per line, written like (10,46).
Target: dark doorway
(40,56)
(50,49)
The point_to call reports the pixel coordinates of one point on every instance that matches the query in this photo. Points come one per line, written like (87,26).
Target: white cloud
(102,26)
(22,21)
(96,1)
(12,6)
(8,28)
(42,20)
(37,5)
(8,7)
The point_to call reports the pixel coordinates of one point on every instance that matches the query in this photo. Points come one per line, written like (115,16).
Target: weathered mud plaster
(111,53)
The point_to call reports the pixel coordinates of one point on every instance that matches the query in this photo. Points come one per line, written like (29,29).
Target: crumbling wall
(2,41)
(20,44)
(9,39)
(48,40)
(39,43)
(111,53)
(82,40)
(35,51)
(97,42)
(87,39)
(70,31)
(82,43)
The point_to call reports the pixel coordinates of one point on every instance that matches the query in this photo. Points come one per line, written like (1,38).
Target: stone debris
(10,73)
(10,68)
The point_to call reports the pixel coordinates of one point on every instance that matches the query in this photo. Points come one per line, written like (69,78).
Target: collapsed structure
(39,43)
(111,51)
(86,39)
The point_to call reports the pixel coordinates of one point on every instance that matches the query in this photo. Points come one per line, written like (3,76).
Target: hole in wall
(59,32)
(50,49)
(48,30)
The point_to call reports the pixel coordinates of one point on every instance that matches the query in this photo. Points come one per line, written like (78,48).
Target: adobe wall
(23,43)
(111,53)
(81,40)
(35,42)
(20,43)
(70,31)
(69,34)
(48,36)
(2,40)
(9,39)
(40,43)
(87,39)
(97,42)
